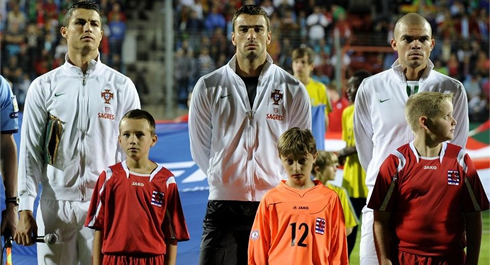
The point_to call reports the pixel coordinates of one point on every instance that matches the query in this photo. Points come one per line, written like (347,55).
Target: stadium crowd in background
(31,43)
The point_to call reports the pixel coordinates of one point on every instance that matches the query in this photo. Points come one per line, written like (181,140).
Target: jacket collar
(93,65)
(398,69)
(268,62)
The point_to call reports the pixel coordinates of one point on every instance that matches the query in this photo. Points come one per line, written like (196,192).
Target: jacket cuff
(26,203)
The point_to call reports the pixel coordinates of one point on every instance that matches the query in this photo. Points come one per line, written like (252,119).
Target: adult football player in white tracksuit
(379,121)
(69,135)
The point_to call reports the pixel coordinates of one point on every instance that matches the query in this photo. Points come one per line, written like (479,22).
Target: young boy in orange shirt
(300,221)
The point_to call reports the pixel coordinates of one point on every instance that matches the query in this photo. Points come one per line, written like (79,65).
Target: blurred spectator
(316,22)
(339,103)
(214,20)
(183,70)
(60,51)
(439,67)
(14,37)
(118,30)
(453,66)
(205,63)
(16,18)
(138,77)
(116,11)
(12,71)
(477,108)
(472,86)
(267,6)
(20,90)
(483,22)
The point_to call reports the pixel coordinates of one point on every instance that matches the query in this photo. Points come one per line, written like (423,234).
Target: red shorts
(133,260)
(456,258)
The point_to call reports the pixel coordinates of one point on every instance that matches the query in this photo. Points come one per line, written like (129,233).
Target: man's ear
(233,39)
(63,31)
(393,44)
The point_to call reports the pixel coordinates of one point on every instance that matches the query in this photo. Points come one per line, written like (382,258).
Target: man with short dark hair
(237,114)
(69,136)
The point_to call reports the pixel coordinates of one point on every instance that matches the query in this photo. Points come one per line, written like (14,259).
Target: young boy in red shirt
(428,197)
(135,209)
(300,221)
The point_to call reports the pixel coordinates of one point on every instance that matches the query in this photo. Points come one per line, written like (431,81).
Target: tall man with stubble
(379,123)
(69,135)
(237,114)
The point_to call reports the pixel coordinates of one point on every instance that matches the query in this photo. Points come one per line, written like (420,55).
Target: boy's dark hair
(137,114)
(82,4)
(361,74)
(295,142)
(251,10)
(302,51)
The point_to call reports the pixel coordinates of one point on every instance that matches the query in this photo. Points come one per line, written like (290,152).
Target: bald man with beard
(379,121)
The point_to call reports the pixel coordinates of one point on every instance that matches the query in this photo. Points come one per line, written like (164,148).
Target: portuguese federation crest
(107,95)
(276,96)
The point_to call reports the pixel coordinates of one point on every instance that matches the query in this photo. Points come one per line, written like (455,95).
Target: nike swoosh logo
(59,94)
(383,100)
(224,96)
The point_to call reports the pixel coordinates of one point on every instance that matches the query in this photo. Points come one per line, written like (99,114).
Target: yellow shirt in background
(318,95)
(354,180)
(349,213)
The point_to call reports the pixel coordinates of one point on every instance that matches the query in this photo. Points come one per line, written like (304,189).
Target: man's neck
(414,74)
(249,68)
(81,60)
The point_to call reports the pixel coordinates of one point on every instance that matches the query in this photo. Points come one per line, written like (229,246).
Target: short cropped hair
(251,10)
(137,114)
(323,160)
(302,51)
(411,19)
(427,104)
(82,4)
(295,142)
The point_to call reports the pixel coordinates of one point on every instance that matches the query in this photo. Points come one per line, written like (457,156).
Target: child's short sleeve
(96,211)
(174,225)
(382,198)
(474,197)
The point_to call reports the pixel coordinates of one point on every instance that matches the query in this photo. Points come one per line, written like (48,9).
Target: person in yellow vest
(324,170)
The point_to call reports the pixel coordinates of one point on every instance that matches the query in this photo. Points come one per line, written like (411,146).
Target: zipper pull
(251,115)
(84,79)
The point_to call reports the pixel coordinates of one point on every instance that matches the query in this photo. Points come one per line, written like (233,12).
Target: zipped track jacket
(89,107)
(235,144)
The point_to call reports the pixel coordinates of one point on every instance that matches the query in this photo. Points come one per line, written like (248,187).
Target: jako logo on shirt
(430,167)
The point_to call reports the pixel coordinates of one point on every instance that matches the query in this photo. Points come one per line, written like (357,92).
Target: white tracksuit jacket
(235,144)
(379,116)
(90,107)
